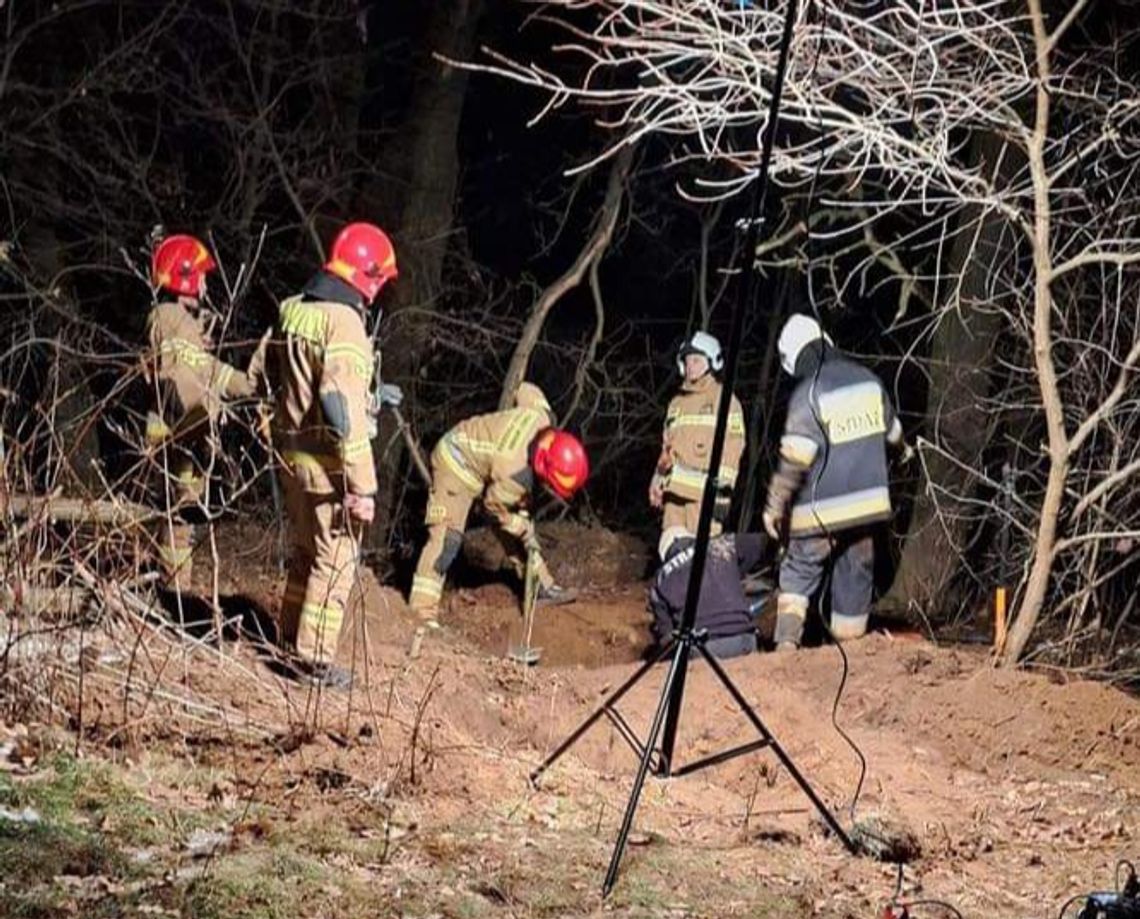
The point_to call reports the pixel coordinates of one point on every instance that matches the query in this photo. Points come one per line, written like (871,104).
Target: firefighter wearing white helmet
(690,422)
(830,488)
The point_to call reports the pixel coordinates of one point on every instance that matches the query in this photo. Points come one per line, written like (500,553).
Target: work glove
(781,489)
(360,507)
(522,527)
(391,395)
(773,523)
(657,491)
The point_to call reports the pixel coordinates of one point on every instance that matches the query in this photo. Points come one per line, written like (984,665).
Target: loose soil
(1021,790)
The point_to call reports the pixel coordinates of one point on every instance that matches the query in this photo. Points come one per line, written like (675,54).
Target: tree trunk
(591,253)
(1045,543)
(959,373)
(424,160)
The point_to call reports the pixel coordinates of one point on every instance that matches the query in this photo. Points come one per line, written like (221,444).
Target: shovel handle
(413,445)
(530,592)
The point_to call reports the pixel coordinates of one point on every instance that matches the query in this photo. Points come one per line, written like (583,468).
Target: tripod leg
(598,713)
(680,656)
(793,771)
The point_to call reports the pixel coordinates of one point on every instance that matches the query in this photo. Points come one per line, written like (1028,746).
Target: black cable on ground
(825,583)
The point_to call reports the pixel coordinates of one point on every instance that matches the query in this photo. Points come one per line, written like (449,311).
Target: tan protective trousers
(448,506)
(322,572)
(682,512)
(182,488)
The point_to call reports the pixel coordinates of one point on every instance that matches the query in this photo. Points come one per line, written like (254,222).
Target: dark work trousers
(850,555)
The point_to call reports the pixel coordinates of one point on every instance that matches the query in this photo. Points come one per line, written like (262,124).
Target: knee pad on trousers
(844,627)
(452,543)
(791,611)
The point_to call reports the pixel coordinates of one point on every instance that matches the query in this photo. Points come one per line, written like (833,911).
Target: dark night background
(236,119)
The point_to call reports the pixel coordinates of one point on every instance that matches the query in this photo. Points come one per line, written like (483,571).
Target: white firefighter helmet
(798,332)
(701,343)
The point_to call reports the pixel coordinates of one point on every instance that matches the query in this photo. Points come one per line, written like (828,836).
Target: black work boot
(554,595)
(330,676)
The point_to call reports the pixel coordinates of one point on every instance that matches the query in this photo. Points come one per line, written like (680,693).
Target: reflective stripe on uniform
(451,458)
(853,412)
(353,449)
(517,431)
(304,321)
(319,617)
(175,556)
(181,351)
(157,430)
(705,420)
(225,374)
(686,481)
(426,586)
(464,441)
(315,461)
(796,448)
(188,477)
(857,506)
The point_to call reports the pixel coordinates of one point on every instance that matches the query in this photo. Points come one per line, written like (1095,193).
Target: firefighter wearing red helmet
(321,365)
(496,456)
(190,386)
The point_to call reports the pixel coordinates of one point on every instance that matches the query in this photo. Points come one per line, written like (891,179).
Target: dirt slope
(1021,790)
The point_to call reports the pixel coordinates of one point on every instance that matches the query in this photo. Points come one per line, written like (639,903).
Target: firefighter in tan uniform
(321,365)
(497,456)
(690,422)
(190,386)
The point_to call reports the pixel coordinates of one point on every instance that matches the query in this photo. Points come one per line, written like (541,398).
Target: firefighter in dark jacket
(723,608)
(830,489)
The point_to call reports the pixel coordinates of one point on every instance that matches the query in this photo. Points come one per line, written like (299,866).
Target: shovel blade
(522,654)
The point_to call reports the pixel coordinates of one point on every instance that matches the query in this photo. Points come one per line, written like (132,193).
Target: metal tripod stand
(660,758)
(687,639)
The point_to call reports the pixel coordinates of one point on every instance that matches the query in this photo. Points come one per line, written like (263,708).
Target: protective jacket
(489,454)
(833,457)
(690,423)
(722,607)
(192,383)
(322,366)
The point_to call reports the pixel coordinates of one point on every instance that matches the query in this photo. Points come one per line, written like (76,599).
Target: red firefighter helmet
(180,265)
(362,255)
(560,461)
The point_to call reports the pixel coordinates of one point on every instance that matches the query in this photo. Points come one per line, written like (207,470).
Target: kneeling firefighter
(497,456)
(831,487)
(724,608)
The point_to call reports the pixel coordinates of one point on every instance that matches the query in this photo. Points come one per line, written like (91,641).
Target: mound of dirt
(578,555)
(601,629)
